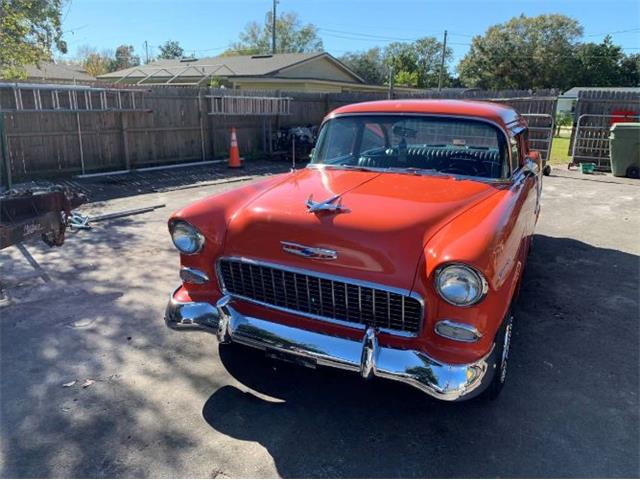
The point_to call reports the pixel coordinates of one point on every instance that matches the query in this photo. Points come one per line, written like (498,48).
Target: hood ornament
(309,252)
(330,205)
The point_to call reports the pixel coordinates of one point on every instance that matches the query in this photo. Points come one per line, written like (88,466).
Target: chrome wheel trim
(505,350)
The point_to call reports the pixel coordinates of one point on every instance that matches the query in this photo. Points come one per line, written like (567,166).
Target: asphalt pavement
(143,401)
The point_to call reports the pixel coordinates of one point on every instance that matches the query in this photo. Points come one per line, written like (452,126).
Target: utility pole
(390,92)
(146,50)
(273,28)
(444,51)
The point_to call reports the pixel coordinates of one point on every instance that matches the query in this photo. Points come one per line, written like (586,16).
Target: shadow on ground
(570,407)
(92,323)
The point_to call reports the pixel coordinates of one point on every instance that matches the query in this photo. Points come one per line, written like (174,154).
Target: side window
(372,137)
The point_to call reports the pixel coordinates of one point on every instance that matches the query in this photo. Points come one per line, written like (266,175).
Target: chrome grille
(317,296)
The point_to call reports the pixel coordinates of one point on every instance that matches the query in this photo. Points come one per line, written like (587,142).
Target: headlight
(461,285)
(186,238)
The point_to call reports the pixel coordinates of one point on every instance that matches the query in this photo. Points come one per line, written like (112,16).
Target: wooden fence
(596,111)
(175,127)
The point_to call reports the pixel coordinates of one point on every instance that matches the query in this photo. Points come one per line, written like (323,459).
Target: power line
(367,35)
(612,33)
(383,39)
(361,36)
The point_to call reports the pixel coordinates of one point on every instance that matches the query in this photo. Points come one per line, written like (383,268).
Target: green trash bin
(625,149)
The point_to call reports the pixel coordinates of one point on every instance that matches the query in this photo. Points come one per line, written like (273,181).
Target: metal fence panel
(596,111)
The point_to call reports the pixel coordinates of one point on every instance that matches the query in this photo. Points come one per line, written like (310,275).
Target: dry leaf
(88,382)
(69,384)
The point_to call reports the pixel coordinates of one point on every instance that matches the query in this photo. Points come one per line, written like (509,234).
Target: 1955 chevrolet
(395,253)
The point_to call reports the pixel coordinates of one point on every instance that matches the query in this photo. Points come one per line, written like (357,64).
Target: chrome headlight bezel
(188,231)
(482,287)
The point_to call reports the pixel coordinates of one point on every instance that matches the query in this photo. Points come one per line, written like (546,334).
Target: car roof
(502,115)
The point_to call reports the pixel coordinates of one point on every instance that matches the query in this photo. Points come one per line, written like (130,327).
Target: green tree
(171,49)
(125,58)
(93,62)
(29,31)
(291,37)
(525,52)
(369,65)
(417,64)
(630,70)
(598,64)
(563,119)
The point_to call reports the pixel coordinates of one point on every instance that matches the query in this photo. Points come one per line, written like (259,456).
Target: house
(57,73)
(303,72)
(567,101)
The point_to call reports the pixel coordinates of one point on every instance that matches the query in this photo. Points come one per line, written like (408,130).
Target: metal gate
(540,132)
(591,138)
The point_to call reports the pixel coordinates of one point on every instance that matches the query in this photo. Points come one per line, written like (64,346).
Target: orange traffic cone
(234,153)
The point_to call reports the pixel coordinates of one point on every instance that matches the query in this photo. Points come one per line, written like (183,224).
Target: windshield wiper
(346,166)
(416,171)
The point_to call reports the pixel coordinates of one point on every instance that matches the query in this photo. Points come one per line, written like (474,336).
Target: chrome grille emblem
(309,252)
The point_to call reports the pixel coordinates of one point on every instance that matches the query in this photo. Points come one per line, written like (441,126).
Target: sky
(207,27)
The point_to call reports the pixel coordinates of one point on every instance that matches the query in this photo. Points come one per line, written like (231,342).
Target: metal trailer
(38,212)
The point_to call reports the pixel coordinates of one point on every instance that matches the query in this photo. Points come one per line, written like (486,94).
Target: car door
(525,188)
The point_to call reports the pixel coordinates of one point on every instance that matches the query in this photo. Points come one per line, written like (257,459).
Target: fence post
(5,172)
(211,125)
(202,114)
(125,140)
(80,143)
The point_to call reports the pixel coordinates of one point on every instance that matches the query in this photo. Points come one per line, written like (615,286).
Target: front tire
(503,346)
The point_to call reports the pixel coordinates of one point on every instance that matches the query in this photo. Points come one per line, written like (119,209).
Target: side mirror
(312,154)
(534,156)
(532,165)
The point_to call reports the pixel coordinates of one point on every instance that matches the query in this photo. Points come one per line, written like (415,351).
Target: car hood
(379,238)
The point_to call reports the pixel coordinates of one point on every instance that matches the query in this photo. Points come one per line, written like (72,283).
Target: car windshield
(414,143)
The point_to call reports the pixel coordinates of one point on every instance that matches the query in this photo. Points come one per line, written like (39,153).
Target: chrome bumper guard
(442,381)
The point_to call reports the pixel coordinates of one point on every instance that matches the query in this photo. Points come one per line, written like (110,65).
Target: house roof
(573,92)
(57,71)
(227,66)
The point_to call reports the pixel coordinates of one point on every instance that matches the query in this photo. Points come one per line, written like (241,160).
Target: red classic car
(395,253)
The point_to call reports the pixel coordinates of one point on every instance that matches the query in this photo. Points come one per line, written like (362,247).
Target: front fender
(488,238)
(212,215)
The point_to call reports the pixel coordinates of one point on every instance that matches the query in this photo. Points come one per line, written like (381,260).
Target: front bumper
(442,381)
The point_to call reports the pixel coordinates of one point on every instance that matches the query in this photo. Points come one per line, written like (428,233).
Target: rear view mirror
(401,131)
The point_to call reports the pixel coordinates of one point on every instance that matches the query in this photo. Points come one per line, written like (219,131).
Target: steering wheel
(465,166)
